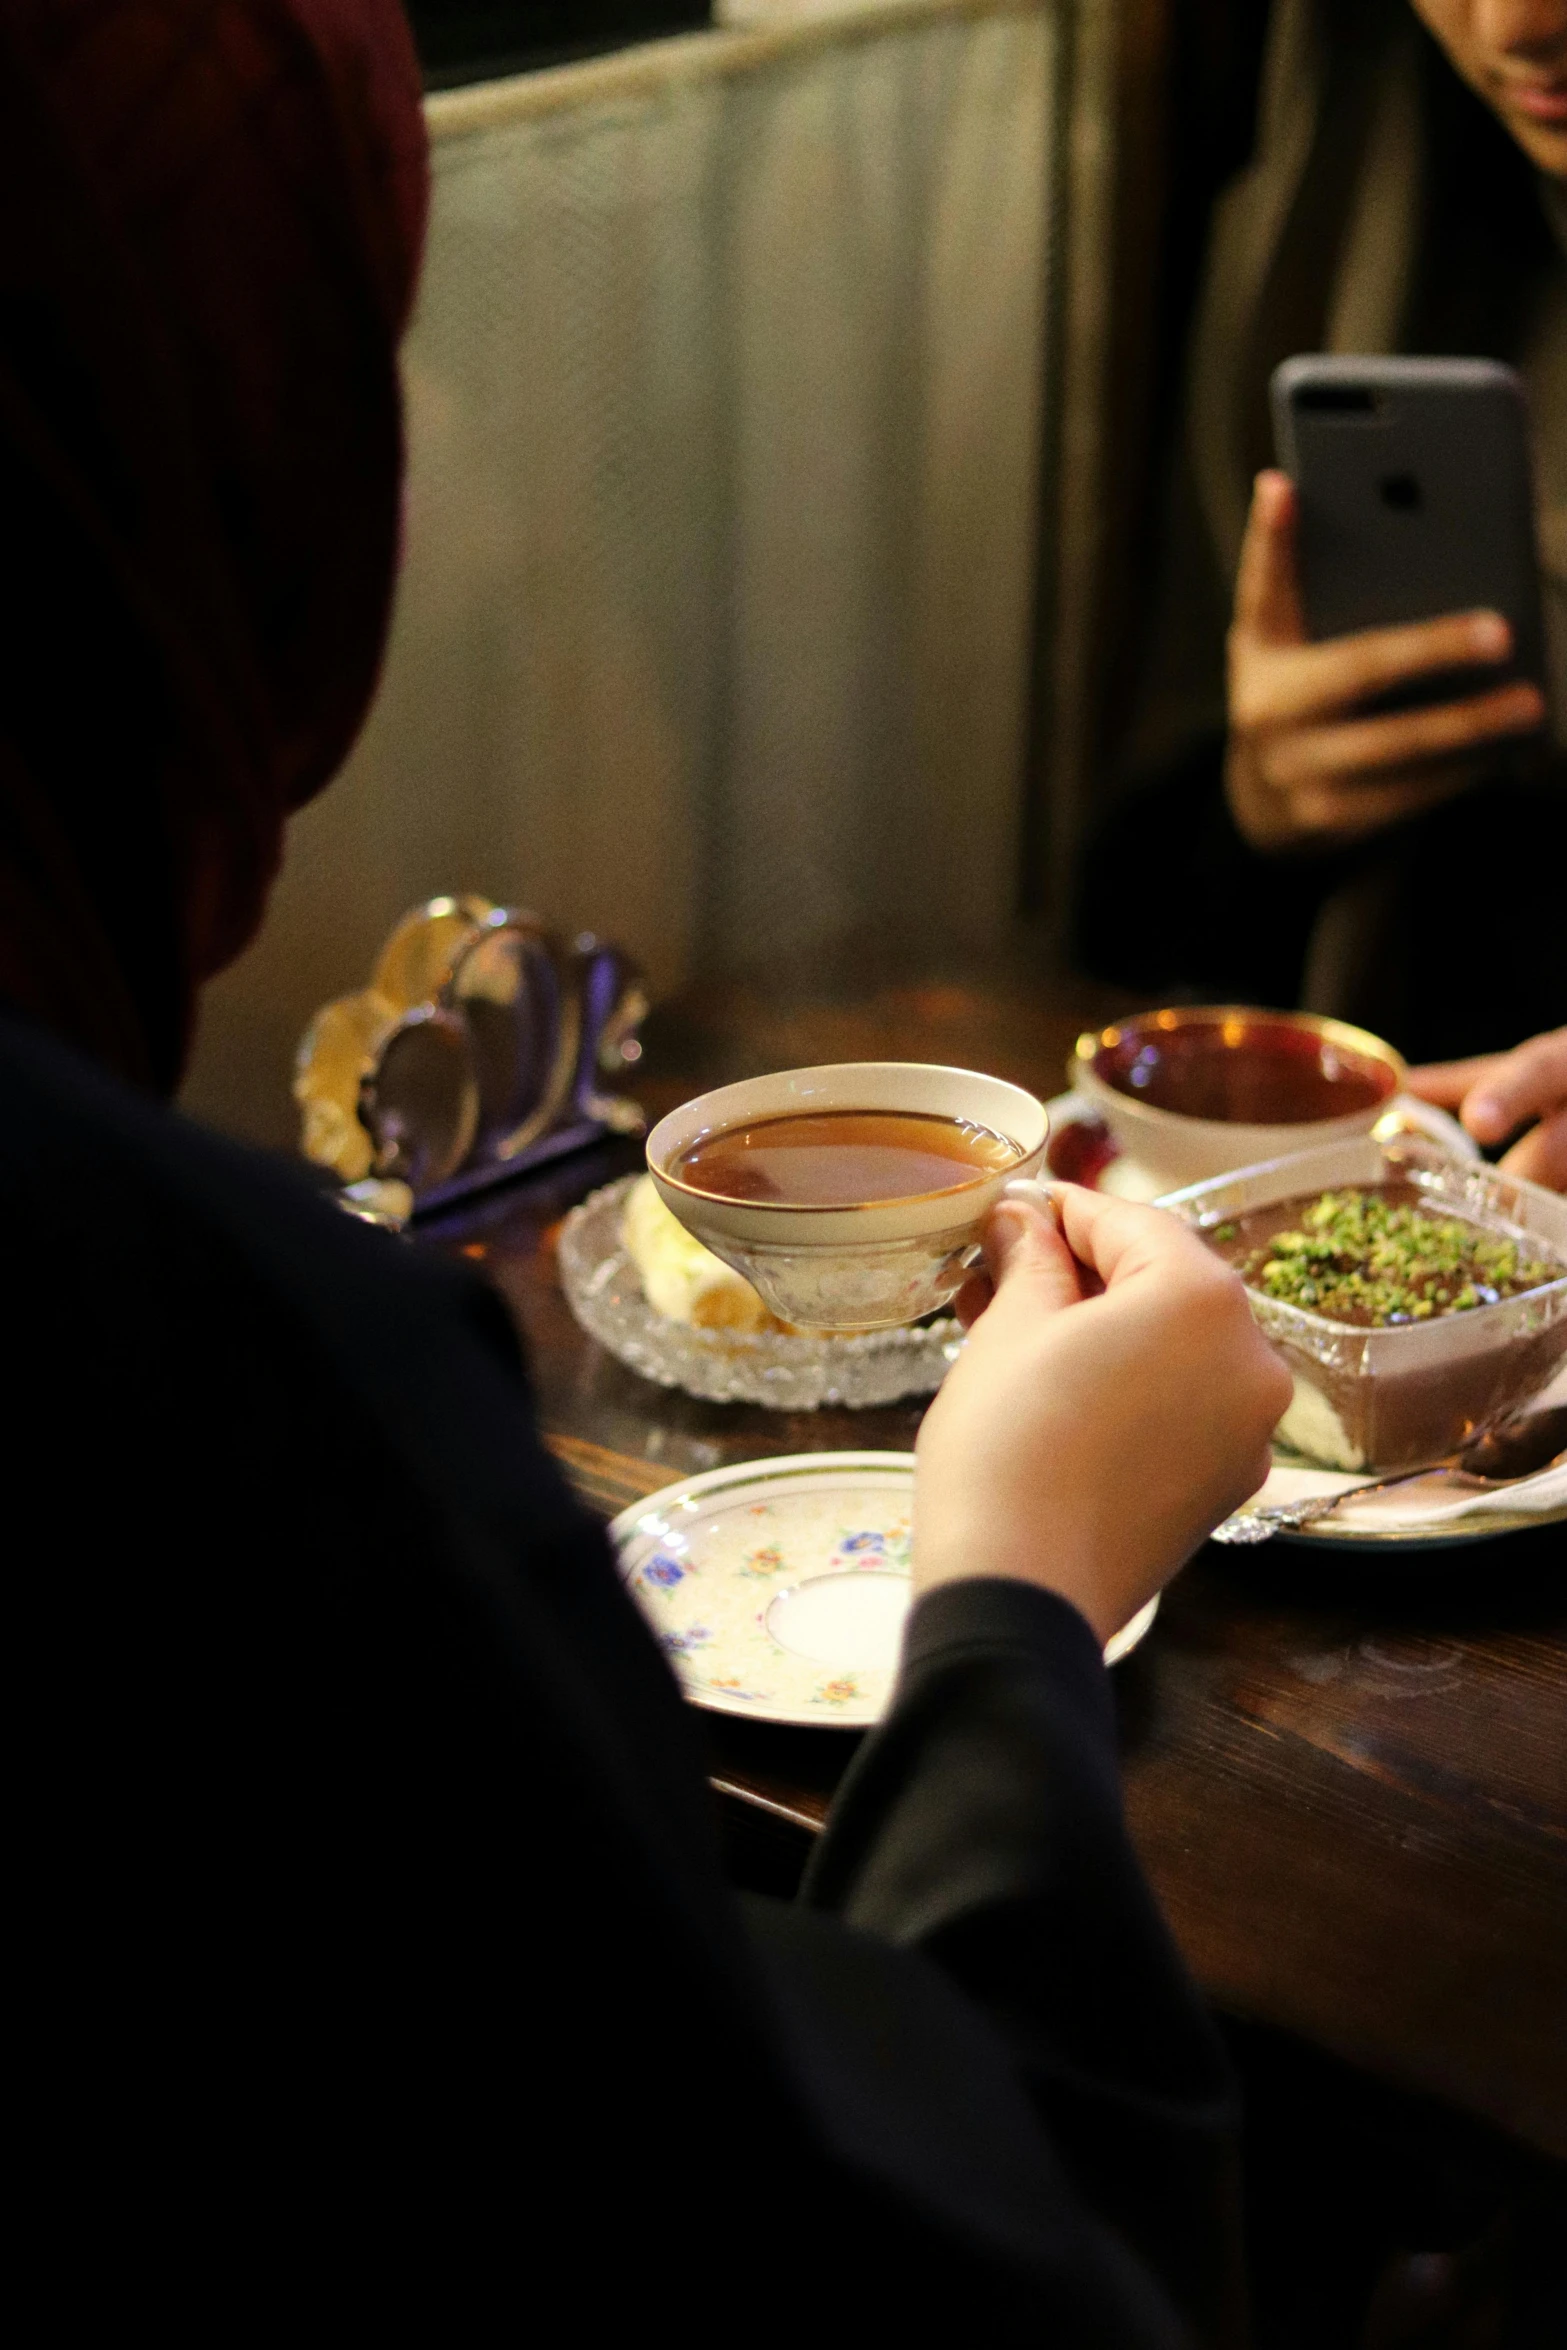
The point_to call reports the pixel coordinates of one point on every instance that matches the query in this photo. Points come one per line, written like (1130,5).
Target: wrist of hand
(1067,1566)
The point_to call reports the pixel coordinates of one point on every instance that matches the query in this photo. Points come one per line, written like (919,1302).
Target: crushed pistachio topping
(1360,1257)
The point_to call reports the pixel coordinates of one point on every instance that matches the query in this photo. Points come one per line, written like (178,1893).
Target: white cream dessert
(680,1278)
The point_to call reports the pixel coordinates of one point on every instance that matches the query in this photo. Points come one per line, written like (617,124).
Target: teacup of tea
(851,1196)
(1197,1090)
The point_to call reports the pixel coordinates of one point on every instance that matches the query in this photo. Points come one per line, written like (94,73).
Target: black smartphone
(1416,499)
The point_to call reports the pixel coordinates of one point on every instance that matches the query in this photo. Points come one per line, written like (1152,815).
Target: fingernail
(1490,634)
(1038,1193)
(1485,1115)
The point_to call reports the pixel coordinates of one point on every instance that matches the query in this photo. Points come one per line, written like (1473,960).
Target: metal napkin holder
(481,1048)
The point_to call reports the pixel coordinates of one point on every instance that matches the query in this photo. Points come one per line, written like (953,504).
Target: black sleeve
(373,1936)
(982,1827)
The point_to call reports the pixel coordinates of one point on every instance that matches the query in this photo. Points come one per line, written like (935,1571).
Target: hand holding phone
(1317,756)
(1307,765)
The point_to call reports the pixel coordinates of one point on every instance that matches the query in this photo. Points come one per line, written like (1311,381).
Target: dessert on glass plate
(680,1278)
(651,1294)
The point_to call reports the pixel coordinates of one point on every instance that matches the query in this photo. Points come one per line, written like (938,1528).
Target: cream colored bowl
(1176,1146)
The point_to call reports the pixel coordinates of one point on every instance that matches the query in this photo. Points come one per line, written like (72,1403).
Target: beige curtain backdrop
(724,409)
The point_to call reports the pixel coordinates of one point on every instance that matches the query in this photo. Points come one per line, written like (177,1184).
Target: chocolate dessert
(1408,1325)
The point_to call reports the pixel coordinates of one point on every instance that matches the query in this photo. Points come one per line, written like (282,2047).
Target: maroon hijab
(210,221)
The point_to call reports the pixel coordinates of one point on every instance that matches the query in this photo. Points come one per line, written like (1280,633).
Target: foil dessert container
(1392,1398)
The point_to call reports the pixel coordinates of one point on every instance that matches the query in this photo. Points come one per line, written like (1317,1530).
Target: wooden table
(1347,1779)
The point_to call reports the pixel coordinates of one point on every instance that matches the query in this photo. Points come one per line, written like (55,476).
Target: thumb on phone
(1267,591)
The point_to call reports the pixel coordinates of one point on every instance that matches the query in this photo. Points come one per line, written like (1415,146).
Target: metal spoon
(1520,1445)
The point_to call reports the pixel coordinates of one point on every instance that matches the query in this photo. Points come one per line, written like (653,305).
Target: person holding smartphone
(1280,833)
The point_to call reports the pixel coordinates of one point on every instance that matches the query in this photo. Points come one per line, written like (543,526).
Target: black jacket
(377,1968)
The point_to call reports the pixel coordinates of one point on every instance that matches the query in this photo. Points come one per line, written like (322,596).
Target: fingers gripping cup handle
(1038,1195)
(1021,1187)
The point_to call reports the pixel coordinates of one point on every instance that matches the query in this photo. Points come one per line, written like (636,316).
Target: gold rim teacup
(867,1267)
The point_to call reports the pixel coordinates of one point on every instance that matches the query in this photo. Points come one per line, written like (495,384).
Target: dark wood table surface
(1347,1777)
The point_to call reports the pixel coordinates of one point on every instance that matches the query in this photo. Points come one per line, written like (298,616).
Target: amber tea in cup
(844,1158)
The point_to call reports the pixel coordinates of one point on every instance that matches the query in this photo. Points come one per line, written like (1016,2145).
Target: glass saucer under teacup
(787,1372)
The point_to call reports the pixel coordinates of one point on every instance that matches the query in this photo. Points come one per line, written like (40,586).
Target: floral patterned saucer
(778,1588)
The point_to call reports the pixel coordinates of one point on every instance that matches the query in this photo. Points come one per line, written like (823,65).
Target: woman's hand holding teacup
(1088,1442)
(1308,766)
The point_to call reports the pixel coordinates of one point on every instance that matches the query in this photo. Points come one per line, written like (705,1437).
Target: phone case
(1416,499)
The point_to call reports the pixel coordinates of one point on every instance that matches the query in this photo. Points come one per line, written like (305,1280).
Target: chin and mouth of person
(1536,114)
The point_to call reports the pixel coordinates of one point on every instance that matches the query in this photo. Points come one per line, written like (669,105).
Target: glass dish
(1386,1399)
(787,1374)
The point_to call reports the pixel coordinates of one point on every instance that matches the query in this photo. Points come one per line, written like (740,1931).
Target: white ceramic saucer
(779,1588)
(1429,1513)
